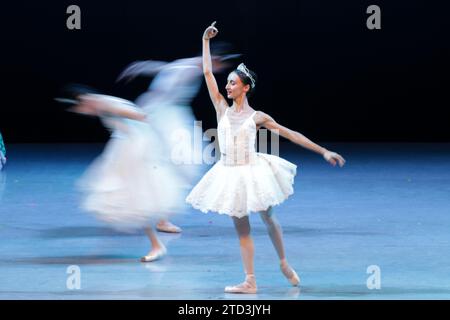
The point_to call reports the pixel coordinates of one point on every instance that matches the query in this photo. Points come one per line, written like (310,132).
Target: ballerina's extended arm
(268,122)
(98,105)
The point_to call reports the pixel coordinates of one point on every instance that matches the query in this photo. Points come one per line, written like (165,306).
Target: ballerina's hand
(87,104)
(333,158)
(210,32)
(131,71)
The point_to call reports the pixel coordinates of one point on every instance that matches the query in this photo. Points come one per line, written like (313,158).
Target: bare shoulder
(261,118)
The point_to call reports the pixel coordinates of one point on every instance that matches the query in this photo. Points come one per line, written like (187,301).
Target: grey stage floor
(389,208)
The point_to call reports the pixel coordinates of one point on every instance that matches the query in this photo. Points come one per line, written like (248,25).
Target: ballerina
(131,184)
(245,181)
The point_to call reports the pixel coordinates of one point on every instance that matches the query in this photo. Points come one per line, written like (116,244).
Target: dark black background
(321,71)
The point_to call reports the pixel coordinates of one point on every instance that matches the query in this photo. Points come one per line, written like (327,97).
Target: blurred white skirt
(132,183)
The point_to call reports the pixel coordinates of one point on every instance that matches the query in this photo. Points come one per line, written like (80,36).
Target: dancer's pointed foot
(248,286)
(167,226)
(290,274)
(154,254)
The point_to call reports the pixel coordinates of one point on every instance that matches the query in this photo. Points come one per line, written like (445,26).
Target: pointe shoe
(246,287)
(291,275)
(158,254)
(168,227)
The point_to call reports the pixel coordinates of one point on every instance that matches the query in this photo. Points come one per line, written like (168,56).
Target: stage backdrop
(321,70)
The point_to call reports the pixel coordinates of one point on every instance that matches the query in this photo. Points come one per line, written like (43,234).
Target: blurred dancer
(245,181)
(152,134)
(2,152)
(167,102)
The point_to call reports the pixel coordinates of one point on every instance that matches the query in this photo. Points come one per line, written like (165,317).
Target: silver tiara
(244,69)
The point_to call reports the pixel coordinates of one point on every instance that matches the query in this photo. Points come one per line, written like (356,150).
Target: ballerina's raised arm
(219,102)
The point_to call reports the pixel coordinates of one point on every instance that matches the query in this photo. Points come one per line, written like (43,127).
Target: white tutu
(236,189)
(131,182)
